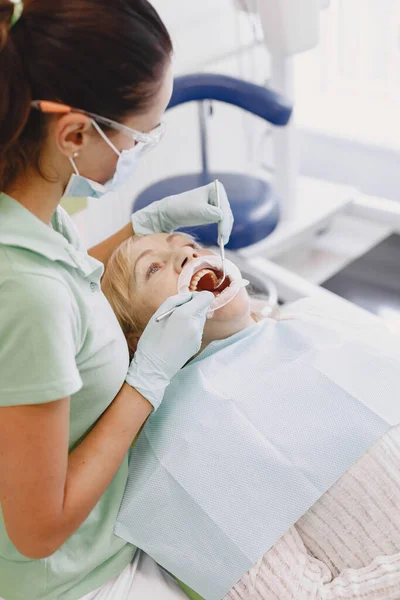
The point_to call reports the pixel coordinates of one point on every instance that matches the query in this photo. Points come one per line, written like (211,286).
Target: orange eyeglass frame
(151,138)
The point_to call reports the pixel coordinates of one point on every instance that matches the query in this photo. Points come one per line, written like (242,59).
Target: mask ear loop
(105,138)
(71,160)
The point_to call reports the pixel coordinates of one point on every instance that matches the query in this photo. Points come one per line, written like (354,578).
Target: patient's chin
(237,308)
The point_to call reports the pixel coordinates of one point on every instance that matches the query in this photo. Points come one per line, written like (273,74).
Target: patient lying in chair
(274,422)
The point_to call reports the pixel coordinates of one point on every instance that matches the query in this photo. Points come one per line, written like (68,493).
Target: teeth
(212,280)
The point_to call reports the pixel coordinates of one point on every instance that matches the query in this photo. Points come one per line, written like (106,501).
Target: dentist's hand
(196,207)
(166,346)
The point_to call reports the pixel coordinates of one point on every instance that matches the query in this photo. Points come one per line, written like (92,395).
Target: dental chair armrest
(256,99)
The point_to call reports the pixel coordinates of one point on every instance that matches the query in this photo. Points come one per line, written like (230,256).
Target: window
(350,85)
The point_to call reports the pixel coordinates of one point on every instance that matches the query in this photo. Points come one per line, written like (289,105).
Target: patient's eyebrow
(142,255)
(168,239)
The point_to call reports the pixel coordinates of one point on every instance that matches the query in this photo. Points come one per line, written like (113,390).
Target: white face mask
(82,187)
(126,166)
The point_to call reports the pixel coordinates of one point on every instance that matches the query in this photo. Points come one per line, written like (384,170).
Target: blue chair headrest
(256,99)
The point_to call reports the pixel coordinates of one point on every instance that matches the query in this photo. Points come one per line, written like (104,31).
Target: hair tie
(18,10)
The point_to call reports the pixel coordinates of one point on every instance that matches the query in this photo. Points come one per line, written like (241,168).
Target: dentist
(84,84)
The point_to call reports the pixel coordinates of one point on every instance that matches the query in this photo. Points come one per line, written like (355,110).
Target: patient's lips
(205,273)
(208,279)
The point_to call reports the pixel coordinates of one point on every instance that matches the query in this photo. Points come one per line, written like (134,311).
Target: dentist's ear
(72,132)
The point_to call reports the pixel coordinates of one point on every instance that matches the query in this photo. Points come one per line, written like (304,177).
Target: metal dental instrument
(165,315)
(222,252)
(220,238)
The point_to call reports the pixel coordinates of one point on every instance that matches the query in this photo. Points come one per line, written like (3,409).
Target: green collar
(21,229)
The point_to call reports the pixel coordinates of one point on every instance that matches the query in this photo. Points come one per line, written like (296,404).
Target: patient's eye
(154,267)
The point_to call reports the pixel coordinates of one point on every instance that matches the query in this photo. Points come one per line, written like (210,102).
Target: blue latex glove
(166,346)
(196,207)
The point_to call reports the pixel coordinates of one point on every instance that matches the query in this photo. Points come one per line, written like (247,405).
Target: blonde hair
(118,285)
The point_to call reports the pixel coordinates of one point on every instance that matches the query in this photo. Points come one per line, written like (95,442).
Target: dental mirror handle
(165,315)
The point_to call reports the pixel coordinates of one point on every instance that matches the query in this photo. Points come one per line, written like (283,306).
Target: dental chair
(255,204)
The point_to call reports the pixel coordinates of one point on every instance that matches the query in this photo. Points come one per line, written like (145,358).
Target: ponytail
(15,94)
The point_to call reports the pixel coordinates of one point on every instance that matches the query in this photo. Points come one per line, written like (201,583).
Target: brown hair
(103,56)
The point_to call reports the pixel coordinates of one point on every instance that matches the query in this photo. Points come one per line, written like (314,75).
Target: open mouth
(204,273)
(209,280)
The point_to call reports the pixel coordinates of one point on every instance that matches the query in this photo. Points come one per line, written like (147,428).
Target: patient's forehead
(159,241)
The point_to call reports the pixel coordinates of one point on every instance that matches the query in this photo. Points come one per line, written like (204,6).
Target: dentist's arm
(103,251)
(195,207)
(46,493)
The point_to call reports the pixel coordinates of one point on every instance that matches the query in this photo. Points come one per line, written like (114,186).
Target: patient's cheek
(155,296)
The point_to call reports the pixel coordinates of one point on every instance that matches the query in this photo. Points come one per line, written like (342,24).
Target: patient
(347,545)
(144,271)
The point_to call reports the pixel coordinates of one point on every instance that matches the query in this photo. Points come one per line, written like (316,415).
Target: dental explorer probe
(220,236)
(222,252)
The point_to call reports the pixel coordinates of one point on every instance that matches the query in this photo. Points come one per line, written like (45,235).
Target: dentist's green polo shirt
(59,337)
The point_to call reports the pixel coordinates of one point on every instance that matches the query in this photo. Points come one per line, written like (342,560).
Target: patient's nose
(183,256)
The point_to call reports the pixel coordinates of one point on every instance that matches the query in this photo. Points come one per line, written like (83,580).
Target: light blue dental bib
(249,436)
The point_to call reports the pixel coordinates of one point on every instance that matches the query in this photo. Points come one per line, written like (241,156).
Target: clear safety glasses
(149,140)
